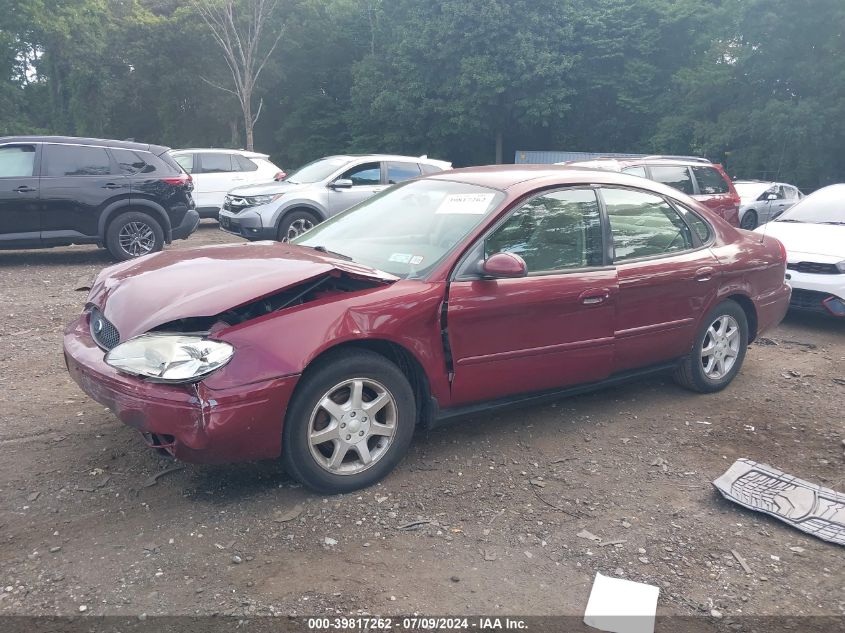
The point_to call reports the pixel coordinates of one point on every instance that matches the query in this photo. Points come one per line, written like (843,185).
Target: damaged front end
(148,357)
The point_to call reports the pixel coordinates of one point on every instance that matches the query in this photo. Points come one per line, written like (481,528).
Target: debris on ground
(809,507)
(290,515)
(588,535)
(621,606)
(152,481)
(741,561)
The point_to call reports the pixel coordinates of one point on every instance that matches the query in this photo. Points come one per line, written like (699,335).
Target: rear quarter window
(710,181)
(242,163)
(429,169)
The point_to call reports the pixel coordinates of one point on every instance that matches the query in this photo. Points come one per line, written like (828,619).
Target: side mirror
(504,265)
(771,196)
(341,183)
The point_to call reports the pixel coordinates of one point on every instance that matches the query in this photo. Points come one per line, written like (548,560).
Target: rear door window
(644,225)
(215,163)
(399,172)
(710,181)
(76,160)
(677,177)
(17,161)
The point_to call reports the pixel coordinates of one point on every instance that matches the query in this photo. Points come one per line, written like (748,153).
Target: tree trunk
(248,121)
(236,133)
(498,147)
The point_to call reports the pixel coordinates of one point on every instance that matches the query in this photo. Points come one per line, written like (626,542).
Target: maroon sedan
(442,296)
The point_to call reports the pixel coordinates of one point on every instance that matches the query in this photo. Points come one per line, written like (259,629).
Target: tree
(239,28)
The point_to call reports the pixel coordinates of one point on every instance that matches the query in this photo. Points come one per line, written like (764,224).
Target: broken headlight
(170,357)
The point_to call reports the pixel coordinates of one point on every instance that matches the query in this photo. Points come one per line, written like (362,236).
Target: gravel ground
(483,516)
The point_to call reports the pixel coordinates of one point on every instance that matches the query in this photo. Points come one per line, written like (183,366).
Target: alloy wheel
(136,238)
(297,228)
(352,426)
(720,348)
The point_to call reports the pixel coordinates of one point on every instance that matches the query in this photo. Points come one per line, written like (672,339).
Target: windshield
(751,190)
(407,229)
(317,170)
(825,206)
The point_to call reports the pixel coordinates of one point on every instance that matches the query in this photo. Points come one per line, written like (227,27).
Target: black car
(131,198)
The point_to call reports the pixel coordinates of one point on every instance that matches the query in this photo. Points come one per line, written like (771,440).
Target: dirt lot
(504,496)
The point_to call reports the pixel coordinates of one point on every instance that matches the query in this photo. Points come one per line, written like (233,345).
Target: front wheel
(718,350)
(349,423)
(295,224)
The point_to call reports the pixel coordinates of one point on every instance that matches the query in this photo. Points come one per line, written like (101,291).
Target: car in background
(813,232)
(762,201)
(131,198)
(315,192)
(446,295)
(218,171)
(697,177)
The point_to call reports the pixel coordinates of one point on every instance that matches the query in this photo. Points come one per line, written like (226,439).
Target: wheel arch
(142,206)
(400,356)
(301,206)
(750,310)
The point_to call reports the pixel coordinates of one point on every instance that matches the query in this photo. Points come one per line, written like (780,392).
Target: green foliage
(756,84)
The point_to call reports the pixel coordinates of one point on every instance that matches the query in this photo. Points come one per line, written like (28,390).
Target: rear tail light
(181,179)
(280,176)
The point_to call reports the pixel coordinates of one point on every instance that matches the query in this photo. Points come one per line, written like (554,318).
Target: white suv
(217,171)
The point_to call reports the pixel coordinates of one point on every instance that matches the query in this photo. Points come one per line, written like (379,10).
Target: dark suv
(131,198)
(697,177)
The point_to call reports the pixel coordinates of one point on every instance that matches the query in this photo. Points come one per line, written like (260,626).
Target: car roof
(621,163)
(78,140)
(397,157)
(220,150)
(516,178)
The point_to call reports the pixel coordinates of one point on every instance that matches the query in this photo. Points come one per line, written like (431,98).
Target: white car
(217,171)
(762,201)
(813,232)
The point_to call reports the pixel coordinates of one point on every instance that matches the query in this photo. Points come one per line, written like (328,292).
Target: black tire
(691,372)
(749,220)
(295,223)
(134,223)
(315,384)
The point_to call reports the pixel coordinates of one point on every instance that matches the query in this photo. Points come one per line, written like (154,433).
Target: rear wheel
(349,423)
(134,234)
(718,350)
(749,220)
(295,224)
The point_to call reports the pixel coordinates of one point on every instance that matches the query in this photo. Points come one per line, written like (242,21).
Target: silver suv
(317,191)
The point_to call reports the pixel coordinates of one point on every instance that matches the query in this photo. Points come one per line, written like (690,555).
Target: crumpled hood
(265,188)
(826,241)
(138,295)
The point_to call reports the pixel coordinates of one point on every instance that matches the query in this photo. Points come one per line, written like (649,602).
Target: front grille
(815,268)
(234,204)
(808,300)
(103,332)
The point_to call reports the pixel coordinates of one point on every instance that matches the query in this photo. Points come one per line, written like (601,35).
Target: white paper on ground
(621,606)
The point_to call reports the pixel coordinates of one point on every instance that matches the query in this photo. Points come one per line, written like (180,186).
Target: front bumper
(189,224)
(191,422)
(817,293)
(246,224)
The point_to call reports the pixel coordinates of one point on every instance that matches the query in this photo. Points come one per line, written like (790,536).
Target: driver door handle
(111,185)
(594,296)
(25,189)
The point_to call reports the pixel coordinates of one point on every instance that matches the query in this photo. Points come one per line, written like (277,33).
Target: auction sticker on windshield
(465,203)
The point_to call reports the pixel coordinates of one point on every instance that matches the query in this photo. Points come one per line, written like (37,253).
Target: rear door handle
(111,185)
(594,296)
(705,273)
(25,189)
